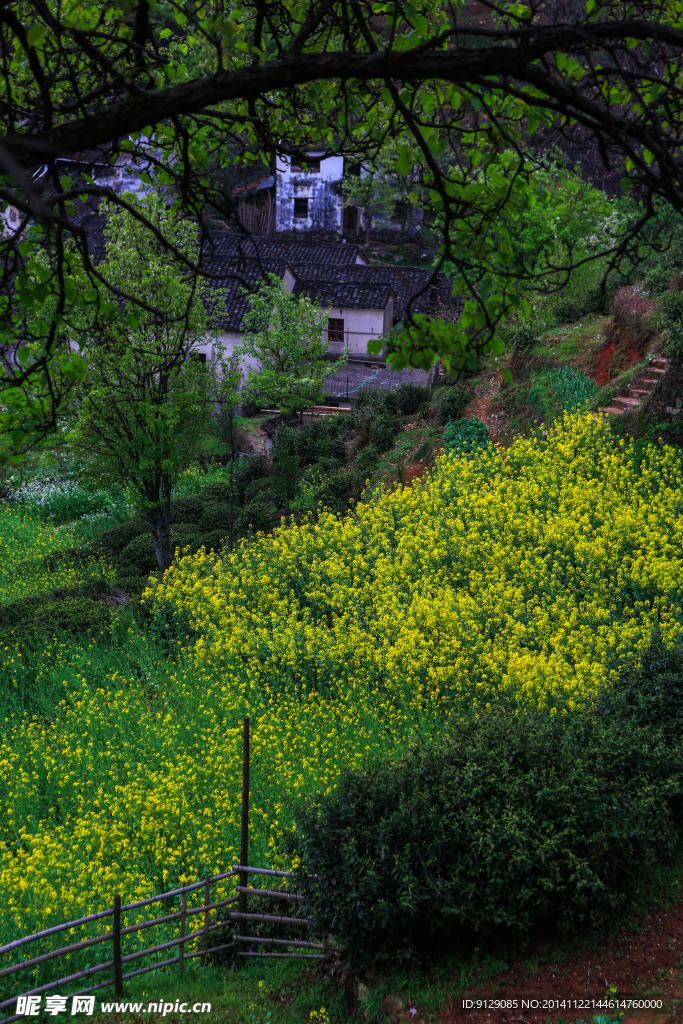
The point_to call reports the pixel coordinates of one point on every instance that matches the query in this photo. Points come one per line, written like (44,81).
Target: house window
(351,220)
(335,329)
(309,167)
(199,357)
(301,209)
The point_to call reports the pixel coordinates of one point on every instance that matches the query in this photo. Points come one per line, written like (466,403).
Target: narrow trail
(486,388)
(642,967)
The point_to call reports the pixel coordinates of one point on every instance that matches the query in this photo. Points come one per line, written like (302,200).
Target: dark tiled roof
(236,247)
(405,282)
(236,280)
(319,272)
(348,295)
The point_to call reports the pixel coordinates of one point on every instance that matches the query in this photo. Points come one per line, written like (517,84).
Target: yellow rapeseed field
(532,577)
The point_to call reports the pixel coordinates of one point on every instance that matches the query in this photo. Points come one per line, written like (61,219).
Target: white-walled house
(357,313)
(362,302)
(308,197)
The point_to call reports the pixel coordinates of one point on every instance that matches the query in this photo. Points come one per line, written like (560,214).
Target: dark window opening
(350,220)
(309,167)
(354,169)
(335,329)
(199,357)
(301,209)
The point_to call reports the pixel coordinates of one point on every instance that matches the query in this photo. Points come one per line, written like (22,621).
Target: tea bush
(512,822)
(450,400)
(384,430)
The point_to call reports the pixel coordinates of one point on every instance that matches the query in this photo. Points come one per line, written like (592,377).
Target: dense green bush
(215,515)
(187,509)
(671,319)
(384,430)
(341,490)
(513,821)
(111,542)
(140,551)
(450,399)
(266,486)
(24,619)
(366,461)
(258,515)
(306,444)
(521,334)
(465,436)
(651,692)
(410,398)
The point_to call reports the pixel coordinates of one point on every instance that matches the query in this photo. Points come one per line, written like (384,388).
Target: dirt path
(487,387)
(644,967)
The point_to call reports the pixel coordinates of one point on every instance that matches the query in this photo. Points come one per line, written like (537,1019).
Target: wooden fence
(243,916)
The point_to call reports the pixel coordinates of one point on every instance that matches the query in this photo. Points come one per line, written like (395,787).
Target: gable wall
(325,202)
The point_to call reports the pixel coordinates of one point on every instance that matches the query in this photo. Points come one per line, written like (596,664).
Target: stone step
(649,380)
(626,403)
(638,392)
(611,410)
(659,363)
(653,368)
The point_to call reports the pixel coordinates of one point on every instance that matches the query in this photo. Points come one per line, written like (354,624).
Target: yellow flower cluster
(29,557)
(531,577)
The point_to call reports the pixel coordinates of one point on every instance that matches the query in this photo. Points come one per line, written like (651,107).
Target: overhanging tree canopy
(189,86)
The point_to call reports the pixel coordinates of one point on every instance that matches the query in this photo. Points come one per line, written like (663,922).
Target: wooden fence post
(181,949)
(207,902)
(116,935)
(244,837)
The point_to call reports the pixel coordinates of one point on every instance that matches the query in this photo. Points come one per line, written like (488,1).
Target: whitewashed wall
(325,202)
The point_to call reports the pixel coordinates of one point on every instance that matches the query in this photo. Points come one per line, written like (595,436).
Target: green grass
(571,343)
(263,992)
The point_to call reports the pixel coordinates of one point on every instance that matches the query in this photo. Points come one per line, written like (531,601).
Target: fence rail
(296,948)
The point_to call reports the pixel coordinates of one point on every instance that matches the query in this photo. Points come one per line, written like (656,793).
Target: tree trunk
(368,227)
(160,527)
(232,462)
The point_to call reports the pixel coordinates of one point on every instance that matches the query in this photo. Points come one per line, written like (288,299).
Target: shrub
(258,515)
(450,400)
(513,821)
(522,334)
(310,442)
(671,319)
(383,431)
(22,620)
(649,692)
(463,437)
(140,551)
(112,541)
(410,398)
(250,408)
(366,461)
(187,509)
(266,486)
(215,515)
(341,490)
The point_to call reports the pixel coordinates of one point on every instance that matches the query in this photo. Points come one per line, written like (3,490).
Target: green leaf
(36,33)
